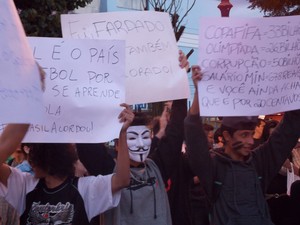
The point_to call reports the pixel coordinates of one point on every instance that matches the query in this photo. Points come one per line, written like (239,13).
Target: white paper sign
(152,68)
(251,66)
(20,87)
(85,85)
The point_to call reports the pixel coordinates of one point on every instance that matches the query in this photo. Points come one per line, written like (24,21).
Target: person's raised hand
(126,116)
(183,61)
(42,77)
(163,121)
(196,75)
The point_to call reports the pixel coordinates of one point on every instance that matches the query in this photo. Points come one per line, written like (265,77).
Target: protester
(199,203)
(24,166)
(276,193)
(17,157)
(296,154)
(218,139)
(235,181)
(53,195)
(145,201)
(258,133)
(159,123)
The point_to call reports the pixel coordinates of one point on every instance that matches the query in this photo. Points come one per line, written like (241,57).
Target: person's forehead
(138,129)
(244,131)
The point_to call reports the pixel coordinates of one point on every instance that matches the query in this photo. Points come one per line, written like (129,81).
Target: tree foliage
(42,17)
(177,9)
(277,7)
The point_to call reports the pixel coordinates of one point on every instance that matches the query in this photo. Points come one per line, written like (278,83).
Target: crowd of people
(170,170)
(151,178)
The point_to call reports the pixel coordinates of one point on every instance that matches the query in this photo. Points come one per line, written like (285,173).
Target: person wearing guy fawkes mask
(145,201)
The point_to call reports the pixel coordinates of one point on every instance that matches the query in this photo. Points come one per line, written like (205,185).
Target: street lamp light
(225,7)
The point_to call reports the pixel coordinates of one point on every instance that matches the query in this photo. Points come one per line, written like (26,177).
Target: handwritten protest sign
(152,71)
(20,88)
(251,66)
(85,85)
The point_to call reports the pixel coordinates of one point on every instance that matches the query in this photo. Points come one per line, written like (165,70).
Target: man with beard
(235,180)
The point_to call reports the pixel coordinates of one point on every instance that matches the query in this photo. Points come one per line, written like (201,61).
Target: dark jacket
(235,188)
(173,165)
(168,150)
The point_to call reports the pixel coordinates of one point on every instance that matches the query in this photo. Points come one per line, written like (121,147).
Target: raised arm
(10,139)
(196,77)
(12,136)
(163,122)
(121,178)
(196,139)
(278,147)
(168,152)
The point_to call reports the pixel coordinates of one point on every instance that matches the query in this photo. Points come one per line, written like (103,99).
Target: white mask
(139,142)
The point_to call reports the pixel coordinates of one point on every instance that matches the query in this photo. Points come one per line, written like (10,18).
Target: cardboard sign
(152,68)
(251,66)
(85,85)
(20,86)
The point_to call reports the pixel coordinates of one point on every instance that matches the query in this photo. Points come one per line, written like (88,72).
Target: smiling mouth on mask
(139,150)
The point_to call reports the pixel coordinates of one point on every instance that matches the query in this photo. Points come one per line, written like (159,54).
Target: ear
(226,136)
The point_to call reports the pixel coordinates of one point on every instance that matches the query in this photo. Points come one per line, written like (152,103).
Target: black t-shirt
(60,205)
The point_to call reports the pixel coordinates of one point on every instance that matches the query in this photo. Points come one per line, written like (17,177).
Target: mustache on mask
(142,149)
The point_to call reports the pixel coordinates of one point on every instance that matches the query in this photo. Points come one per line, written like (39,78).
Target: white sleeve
(97,195)
(18,185)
